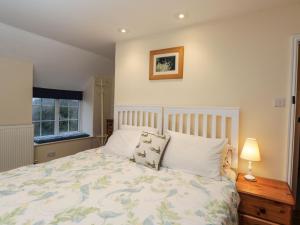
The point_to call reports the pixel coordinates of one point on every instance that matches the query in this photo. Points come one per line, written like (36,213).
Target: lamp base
(249,177)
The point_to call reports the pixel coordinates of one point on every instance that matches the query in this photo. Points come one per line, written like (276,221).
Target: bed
(96,187)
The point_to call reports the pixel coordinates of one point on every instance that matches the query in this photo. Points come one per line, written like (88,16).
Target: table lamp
(251,153)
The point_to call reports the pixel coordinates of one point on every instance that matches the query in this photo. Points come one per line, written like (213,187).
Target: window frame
(56,118)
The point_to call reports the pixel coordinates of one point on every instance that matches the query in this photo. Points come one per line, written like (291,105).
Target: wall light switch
(279,102)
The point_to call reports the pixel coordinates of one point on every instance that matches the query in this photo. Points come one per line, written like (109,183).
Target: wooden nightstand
(264,202)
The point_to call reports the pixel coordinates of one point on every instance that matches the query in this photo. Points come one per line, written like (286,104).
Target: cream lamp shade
(250,150)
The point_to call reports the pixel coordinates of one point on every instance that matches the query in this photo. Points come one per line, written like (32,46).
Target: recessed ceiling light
(123,30)
(181,16)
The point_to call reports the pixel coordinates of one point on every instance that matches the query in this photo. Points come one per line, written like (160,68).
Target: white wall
(242,61)
(56,65)
(16,92)
(87,107)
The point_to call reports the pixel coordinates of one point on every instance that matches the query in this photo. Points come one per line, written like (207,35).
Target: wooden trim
(179,75)
(292,109)
(297,132)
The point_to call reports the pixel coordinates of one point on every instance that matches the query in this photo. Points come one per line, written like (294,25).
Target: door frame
(292,113)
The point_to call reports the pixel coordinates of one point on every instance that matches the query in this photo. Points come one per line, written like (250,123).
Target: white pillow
(140,128)
(123,142)
(195,155)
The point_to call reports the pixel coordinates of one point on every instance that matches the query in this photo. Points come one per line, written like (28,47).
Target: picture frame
(166,63)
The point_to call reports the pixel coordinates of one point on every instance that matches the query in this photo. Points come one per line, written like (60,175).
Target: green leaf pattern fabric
(92,187)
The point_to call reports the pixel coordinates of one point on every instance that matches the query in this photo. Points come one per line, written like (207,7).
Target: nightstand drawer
(249,220)
(265,209)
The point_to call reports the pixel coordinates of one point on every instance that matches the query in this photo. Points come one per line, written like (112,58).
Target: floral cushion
(150,149)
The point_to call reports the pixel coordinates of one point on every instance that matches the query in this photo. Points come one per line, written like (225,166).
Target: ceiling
(93,24)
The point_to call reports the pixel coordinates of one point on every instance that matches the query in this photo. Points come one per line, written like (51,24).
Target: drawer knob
(262,210)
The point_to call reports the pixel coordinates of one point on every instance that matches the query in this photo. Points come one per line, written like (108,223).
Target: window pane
(43,116)
(47,128)
(63,126)
(36,113)
(73,113)
(73,125)
(36,101)
(74,103)
(63,113)
(48,101)
(37,128)
(63,102)
(48,112)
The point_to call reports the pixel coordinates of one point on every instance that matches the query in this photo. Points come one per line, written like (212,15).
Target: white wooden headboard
(215,122)
(149,116)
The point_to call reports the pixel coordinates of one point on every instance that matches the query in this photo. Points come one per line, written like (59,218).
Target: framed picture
(166,63)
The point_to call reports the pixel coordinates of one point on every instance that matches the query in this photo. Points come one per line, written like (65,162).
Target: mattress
(93,187)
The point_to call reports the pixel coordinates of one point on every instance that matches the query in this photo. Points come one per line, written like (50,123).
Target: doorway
(294,176)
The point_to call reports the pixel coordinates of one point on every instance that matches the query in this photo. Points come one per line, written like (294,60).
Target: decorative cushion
(226,157)
(150,149)
(226,169)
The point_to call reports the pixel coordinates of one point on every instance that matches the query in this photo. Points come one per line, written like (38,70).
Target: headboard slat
(130,117)
(147,119)
(121,118)
(140,113)
(204,133)
(180,123)
(125,119)
(152,119)
(214,126)
(223,127)
(188,124)
(173,121)
(135,118)
(196,128)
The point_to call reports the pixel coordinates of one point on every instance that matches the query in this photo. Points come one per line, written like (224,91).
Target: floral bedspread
(92,187)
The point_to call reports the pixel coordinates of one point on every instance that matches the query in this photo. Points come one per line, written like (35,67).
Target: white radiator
(16,146)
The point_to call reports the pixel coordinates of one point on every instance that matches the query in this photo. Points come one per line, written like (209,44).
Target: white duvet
(98,188)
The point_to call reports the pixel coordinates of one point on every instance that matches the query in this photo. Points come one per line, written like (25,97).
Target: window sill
(62,141)
(59,138)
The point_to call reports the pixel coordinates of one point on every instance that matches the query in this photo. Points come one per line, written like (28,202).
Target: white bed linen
(92,187)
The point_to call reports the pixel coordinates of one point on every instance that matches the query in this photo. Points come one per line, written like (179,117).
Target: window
(68,115)
(43,116)
(52,116)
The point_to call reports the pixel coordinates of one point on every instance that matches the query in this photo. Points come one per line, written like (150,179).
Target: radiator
(16,146)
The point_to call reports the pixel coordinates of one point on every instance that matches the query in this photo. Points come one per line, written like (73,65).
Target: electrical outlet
(279,102)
